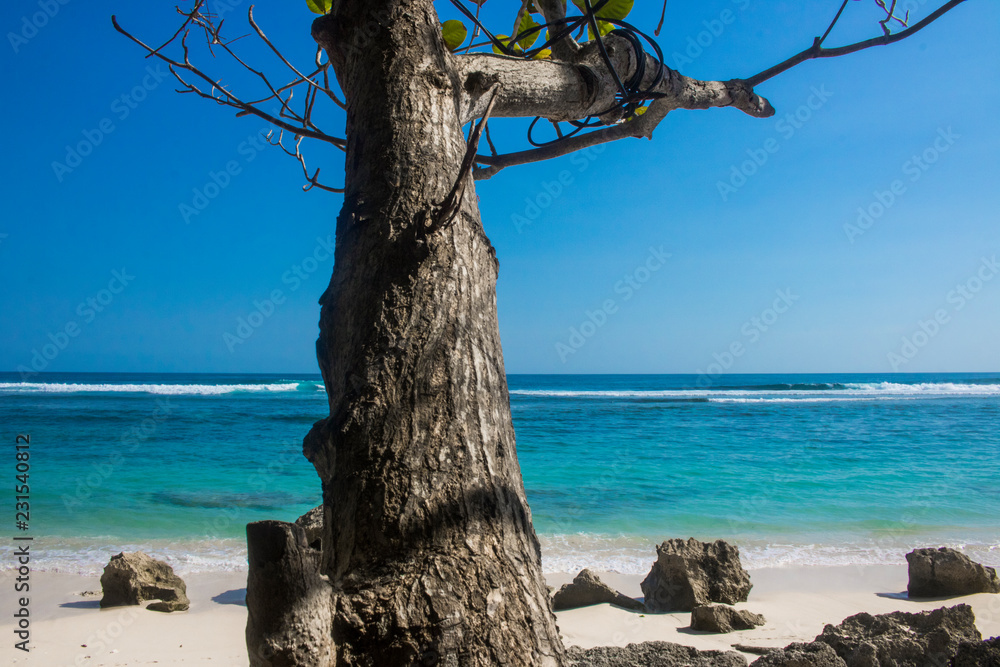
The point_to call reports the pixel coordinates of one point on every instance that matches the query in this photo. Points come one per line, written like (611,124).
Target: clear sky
(774,265)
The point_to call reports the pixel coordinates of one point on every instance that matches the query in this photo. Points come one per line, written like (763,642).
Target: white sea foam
(88,556)
(165,389)
(560,553)
(844,392)
(875,391)
(632,555)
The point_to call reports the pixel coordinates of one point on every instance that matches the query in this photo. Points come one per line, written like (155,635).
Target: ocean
(814,469)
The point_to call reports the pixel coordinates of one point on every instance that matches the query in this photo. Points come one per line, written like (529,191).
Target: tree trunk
(428,541)
(288,600)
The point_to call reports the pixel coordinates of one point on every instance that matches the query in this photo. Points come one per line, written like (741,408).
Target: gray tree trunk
(288,600)
(428,542)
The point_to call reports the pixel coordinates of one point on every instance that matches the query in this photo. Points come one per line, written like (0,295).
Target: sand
(69,629)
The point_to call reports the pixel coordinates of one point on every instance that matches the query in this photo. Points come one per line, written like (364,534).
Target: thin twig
(663,15)
(230,98)
(817,51)
(452,204)
(302,77)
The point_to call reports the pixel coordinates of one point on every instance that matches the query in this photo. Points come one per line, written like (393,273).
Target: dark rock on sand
(652,654)
(134,578)
(587,590)
(691,573)
(723,618)
(168,606)
(756,650)
(312,523)
(901,639)
(946,572)
(815,654)
(978,654)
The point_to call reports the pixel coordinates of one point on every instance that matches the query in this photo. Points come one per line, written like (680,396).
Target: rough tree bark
(428,541)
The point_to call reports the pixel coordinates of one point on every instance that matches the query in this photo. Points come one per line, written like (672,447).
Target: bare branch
(688,94)
(453,202)
(817,50)
(836,18)
(567,91)
(302,77)
(225,96)
(313,181)
(554,12)
(663,16)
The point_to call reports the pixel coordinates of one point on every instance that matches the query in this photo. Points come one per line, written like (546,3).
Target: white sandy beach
(69,629)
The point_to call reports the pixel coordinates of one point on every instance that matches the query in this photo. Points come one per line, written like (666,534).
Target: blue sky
(767,272)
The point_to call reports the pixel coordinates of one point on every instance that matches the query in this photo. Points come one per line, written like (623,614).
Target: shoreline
(631,555)
(796,601)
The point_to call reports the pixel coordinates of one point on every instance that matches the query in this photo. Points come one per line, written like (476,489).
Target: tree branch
(554,12)
(302,77)
(689,94)
(229,99)
(817,50)
(453,202)
(561,91)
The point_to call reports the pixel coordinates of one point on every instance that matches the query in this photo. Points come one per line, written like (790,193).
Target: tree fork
(428,542)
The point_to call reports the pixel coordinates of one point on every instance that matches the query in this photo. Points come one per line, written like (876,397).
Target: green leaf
(527,23)
(320,6)
(454,33)
(505,40)
(614,9)
(544,54)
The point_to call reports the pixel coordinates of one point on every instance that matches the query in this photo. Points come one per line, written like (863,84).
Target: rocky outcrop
(652,654)
(289,603)
(978,654)
(946,572)
(691,573)
(723,618)
(134,578)
(815,654)
(901,639)
(587,590)
(312,523)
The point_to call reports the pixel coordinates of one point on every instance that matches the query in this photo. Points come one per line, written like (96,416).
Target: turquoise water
(798,469)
